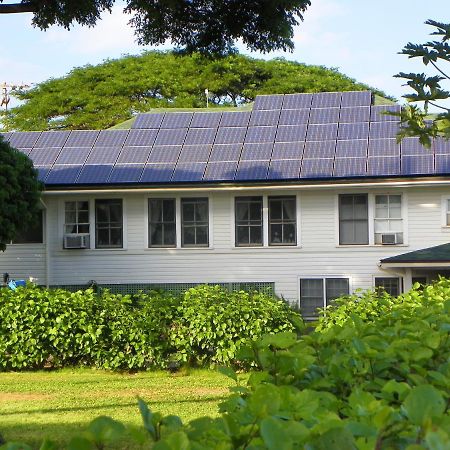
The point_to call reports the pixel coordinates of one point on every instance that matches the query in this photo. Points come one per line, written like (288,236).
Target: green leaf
(274,434)
(423,403)
(228,372)
(80,443)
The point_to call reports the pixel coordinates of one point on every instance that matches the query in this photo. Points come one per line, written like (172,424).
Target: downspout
(47,245)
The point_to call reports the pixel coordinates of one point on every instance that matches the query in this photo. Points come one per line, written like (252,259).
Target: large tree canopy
(428,89)
(96,97)
(210,26)
(19,193)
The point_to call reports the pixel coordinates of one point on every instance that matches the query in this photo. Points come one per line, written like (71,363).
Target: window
(447,212)
(282,221)
(108,223)
(161,222)
(34,234)
(249,221)
(388,219)
(353,219)
(389,285)
(194,222)
(320,292)
(76,217)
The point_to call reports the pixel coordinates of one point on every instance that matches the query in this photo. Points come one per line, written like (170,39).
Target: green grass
(60,404)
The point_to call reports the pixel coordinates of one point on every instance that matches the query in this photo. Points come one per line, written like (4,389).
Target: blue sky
(359,37)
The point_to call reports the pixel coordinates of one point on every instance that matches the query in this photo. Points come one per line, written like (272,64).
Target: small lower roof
(436,254)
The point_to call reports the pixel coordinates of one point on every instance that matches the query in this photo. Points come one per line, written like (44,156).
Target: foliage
(211,26)
(19,193)
(428,90)
(383,383)
(54,328)
(97,97)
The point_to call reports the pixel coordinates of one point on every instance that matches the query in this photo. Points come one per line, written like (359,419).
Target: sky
(361,38)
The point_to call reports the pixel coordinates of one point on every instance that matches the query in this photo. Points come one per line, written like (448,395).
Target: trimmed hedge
(206,325)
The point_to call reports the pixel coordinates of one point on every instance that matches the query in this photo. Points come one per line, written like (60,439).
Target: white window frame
(445,211)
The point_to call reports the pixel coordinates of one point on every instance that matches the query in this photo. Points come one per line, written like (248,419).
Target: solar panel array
(285,137)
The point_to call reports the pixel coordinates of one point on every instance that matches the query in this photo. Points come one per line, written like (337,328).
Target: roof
(436,254)
(324,136)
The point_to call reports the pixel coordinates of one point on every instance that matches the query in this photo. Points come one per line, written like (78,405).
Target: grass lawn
(59,404)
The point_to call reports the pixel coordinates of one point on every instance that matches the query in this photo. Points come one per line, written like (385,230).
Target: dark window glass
(162,229)
(76,217)
(194,222)
(249,221)
(389,285)
(353,219)
(336,287)
(108,223)
(34,234)
(282,221)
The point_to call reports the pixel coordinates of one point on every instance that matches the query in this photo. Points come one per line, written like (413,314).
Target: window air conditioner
(76,240)
(388,238)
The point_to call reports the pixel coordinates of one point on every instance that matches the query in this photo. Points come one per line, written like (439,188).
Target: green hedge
(206,325)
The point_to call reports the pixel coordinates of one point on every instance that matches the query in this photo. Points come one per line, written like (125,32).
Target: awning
(437,256)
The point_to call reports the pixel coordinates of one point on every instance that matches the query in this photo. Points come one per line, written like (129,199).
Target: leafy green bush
(55,328)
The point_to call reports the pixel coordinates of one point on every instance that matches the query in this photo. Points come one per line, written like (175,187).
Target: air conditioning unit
(389,238)
(74,240)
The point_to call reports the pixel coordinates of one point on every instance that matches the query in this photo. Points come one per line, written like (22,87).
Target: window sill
(171,249)
(371,245)
(269,247)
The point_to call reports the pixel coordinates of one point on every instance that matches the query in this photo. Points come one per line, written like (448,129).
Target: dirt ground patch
(22,396)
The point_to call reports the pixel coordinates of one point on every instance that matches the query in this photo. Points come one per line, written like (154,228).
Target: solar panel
(349,167)
(379,130)
(130,155)
(356,114)
(103,155)
(284,169)
(383,147)
(297,101)
(44,156)
(111,138)
(326,99)
(94,174)
(81,138)
(268,102)
(288,150)
(353,130)
(164,154)
(63,174)
(230,135)
(177,120)
(141,137)
(43,172)
(157,173)
(6,136)
(378,113)
(175,136)
(322,132)
(291,133)
(442,163)
(200,136)
(25,139)
(189,172)
(223,171)
(412,165)
(195,153)
(225,152)
(256,152)
(260,134)
(148,121)
(73,155)
(126,173)
(317,168)
(294,116)
(324,115)
(386,165)
(441,146)
(52,139)
(412,146)
(251,170)
(319,149)
(356,98)
(25,151)
(352,148)
(206,119)
(235,119)
(269,117)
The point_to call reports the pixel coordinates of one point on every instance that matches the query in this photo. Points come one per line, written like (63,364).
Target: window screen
(388,217)
(76,217)
(249,221)
(389,285)
(282,221)
(108,223)
(194,222)
(353,219)
(162,222)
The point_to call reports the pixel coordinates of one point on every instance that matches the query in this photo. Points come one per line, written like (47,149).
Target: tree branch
(17,8)
(437,68)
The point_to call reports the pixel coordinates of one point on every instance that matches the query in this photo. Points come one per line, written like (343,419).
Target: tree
(19,193)
(428,90)
(210,26)
(97,97)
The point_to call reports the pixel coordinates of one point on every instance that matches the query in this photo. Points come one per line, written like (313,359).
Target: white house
(308,193)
